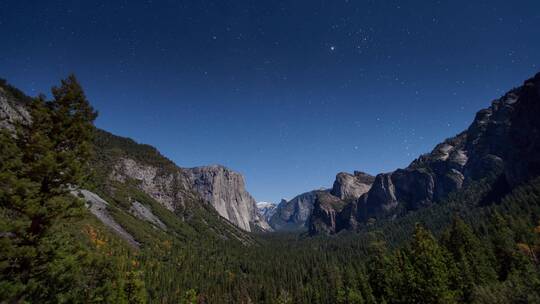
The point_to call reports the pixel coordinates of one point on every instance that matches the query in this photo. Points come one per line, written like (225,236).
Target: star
(332,48)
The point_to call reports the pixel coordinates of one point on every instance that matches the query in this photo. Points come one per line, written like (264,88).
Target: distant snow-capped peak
(266,209)
(265,204)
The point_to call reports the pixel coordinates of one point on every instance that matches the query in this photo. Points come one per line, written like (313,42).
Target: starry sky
(288,93)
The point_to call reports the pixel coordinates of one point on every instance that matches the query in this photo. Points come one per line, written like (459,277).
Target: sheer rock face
(98,207)
(294,214)
(503,139)
(325,214)
(351,187)
(218,186)
(225,191)
(170,189)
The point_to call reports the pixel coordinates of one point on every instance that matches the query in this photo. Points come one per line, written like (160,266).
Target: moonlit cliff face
(225,191)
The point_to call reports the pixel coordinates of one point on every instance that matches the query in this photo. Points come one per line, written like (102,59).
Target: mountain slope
(294,215)
(503,140)
(127,173)
(170,185)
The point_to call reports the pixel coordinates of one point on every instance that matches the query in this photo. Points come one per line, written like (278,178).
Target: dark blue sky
(286,92)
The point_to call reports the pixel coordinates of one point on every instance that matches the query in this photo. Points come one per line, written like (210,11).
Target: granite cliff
(225,191)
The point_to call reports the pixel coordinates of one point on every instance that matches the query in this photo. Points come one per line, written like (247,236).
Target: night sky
(286,92)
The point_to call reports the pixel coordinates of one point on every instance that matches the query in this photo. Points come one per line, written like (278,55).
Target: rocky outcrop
(144,213)
(351,186)
(168,187)
(503,140)
(266,210)
(225,191)
(325,213)
(98,207)
(11,109)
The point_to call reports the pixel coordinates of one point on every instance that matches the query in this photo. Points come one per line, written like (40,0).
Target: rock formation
(11,108)
(98,207)
(225,191)
(218,186)
(503,140)
(324,217)
(144,213)
(351,186)
(295,214)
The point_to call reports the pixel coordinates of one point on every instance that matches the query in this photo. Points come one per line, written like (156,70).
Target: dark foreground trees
(40,163)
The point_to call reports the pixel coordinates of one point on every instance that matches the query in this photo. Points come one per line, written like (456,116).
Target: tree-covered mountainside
(122,161)
(87,216)
(157,183)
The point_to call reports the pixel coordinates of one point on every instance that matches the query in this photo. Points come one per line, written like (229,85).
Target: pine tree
(382,271)
(429,282)
(41,162)
(470,256)
(134,288)
(503,245)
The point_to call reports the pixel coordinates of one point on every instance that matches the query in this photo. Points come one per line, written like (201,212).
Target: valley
(459,224)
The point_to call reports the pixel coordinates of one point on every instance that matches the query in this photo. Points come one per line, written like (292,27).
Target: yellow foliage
(94,236)
(524,248)
(167,244)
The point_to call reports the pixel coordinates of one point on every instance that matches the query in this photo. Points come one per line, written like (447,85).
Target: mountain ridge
(122,160)
(503,139)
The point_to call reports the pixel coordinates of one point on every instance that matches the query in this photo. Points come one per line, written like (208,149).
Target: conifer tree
(470,257)
(382,273)
(40,164)
(430,281)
